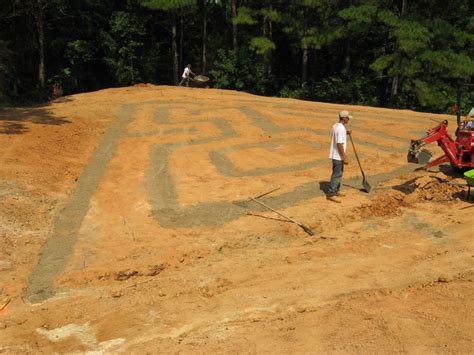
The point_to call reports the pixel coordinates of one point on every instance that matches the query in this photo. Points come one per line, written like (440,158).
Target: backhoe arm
(437,134)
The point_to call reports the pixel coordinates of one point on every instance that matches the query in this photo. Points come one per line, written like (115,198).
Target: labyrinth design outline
(162,190)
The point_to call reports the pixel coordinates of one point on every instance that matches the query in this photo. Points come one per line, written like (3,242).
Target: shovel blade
(366,186)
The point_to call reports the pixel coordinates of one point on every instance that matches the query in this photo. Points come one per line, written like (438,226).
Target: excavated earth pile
(126,225)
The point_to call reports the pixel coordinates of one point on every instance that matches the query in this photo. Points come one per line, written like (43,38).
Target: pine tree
(172,6)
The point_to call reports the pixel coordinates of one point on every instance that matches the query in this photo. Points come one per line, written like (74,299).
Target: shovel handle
(305,228)
(271,209)
(357,157)
(267,193)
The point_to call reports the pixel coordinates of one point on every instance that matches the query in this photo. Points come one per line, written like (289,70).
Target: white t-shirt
(186,72)
(339,135)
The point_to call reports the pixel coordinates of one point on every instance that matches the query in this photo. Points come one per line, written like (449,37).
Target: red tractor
(459,153)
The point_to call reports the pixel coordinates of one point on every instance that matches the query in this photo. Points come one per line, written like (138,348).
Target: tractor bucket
(417,156)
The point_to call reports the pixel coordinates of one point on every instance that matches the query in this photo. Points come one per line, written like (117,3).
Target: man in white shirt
(337,153)
(186,75)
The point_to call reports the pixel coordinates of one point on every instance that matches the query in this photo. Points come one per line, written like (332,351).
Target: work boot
(333,199)
(340,194)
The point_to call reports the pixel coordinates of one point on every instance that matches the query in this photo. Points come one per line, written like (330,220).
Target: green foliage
(62,78)
(271,15)
(448,64)
(357,90)
(226,73)
(431,95)
(382,63)
(412,37)
(341,89)
(314,39)
(388,18)
(354,51)
(126,39)
(295,90)
(240,72)
(166,5)
(245,16)
(262,45)
(428,55)
(317,4)
(79,51)
(359,16)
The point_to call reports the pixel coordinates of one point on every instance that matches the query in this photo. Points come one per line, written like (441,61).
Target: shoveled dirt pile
(432,188)
(388,204)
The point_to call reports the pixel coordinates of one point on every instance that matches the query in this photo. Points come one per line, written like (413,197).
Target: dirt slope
(125,226)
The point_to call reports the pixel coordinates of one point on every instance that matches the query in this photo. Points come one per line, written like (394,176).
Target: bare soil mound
(126,225)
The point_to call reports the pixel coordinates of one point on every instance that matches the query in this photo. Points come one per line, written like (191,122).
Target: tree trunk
(204,36)
(174,49)
(131,69)
(152,29)
(396,78)
(347,57)
(234,26)
(270,35)
(394,91)
(265,56)
(304,63)
(384,92)
(404,9)
(40,28)
(181,39)
(458,105)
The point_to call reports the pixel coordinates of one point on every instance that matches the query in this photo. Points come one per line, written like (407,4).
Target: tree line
(415,54)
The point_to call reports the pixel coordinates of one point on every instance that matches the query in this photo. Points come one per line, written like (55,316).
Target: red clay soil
(126,225)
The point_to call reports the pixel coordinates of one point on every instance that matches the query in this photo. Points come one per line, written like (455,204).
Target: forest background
(388,53)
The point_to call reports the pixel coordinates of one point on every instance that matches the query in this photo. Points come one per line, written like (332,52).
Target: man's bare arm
(340,148)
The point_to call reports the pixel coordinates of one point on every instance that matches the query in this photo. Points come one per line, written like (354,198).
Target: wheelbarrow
(201,80)
(469,176)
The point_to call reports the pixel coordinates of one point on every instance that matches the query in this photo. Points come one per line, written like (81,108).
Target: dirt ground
(126,225)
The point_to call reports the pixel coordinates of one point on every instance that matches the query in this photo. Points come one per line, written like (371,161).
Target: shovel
(305,228)
(365,183)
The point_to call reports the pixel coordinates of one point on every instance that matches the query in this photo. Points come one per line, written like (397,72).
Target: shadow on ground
(13,120)
(324,186)
(463,195)
(447,170)
(407,187)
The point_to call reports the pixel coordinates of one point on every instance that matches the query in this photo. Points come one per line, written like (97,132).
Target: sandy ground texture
(126,225)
